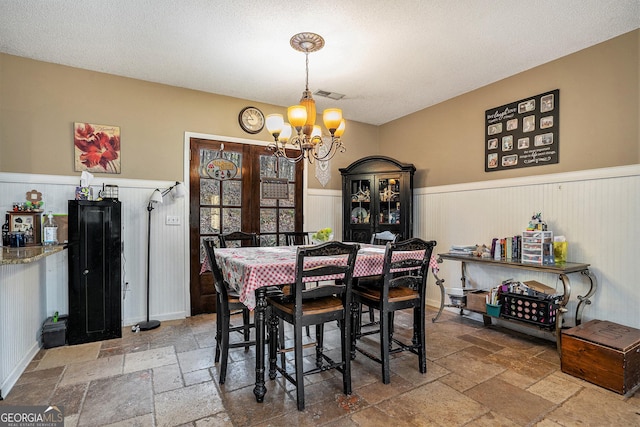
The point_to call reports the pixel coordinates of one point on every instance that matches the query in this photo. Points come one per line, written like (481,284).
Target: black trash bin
(54,334)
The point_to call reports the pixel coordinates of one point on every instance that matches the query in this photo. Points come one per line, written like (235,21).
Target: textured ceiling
(390,58)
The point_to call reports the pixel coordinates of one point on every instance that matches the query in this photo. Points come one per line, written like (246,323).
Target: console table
(562,270)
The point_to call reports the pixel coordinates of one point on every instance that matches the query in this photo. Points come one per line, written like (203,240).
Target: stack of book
(462,249)
(507,248)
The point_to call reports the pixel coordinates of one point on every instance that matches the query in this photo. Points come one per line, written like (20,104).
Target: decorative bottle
(5,232)
(50,231)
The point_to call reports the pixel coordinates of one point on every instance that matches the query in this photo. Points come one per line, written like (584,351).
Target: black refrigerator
(95,258)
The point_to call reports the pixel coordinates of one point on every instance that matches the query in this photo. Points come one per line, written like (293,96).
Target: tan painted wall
(39,102)
(599,115)
(599,110)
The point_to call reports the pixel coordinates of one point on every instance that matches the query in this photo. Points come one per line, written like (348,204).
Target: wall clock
(251,120)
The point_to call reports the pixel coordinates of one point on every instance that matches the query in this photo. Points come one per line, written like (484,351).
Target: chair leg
(346,354)
(419,313)
(355,322)
(225,347)
(319,343)
(384,345)
(274,343)
(371,316)
(299,368)
(219,321)
(246,320)
(283,356)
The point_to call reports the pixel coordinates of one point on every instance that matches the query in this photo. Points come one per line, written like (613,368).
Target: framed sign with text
(523,133)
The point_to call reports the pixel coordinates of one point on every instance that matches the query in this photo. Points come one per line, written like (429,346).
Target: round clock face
(251,120)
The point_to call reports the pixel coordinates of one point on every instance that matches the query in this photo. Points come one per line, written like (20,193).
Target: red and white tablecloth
(248,268)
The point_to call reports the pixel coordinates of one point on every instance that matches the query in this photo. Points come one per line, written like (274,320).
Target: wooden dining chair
(240,238)
(227,304)
(403,287)
(383,237)
(297,238)
(327,302)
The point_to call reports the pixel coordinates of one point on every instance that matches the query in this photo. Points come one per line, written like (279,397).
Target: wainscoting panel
(597,214)
(168,277)
(21,285)
(323,208)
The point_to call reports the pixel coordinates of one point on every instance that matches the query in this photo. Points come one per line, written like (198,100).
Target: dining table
(251,271)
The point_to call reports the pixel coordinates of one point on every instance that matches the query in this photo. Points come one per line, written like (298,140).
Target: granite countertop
(27,254)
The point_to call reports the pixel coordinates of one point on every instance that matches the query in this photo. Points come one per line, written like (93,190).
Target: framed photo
(507,143)
(544,139)
(523,133)
(30,223)
(96,148)
(529,124)
(526,106)
(492,160)
(546,122)
(510,160)
(494,129)
(546,103)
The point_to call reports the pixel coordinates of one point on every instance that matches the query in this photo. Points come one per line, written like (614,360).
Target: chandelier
(302,117)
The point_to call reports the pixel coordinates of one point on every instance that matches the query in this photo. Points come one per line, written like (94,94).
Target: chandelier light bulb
(316,134)
(340,130)
(332,118)
(285,134)
(274,123)
(297,116)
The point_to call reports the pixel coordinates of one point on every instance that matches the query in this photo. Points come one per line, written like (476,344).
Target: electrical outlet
(172,220)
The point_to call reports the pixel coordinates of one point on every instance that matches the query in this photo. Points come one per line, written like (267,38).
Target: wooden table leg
(259,318)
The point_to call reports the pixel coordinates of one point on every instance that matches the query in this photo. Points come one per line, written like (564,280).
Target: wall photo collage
(523,133)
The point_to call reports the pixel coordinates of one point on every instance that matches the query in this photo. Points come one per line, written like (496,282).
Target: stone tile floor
(476,376)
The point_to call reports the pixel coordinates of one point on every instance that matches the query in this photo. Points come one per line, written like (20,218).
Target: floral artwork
(96,148)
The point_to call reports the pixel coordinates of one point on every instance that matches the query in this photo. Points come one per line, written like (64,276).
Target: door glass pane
(268,167)
(268,220)
(231,219)
(209,220)
(291,201)
(209,191)
(269,240)
(287,169)
(287,220)
(232,193)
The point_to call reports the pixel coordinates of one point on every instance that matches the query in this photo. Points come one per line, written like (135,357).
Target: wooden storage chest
(603,353)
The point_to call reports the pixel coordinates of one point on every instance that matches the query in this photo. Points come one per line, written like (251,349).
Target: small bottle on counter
(5,232)
(50,231)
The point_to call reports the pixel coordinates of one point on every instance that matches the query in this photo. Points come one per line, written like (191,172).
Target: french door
(237,187)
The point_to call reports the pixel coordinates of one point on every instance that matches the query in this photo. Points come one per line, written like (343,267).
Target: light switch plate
(172,220)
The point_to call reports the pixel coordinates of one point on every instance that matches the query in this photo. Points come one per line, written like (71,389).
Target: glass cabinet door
(360,212)
(389,198)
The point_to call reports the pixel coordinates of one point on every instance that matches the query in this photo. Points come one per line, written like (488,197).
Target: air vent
(332,95)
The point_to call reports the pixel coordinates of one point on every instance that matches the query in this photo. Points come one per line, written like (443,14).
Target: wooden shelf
(561,269)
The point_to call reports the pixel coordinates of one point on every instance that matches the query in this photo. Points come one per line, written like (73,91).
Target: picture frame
(96,148)
(523,133)
(30,223)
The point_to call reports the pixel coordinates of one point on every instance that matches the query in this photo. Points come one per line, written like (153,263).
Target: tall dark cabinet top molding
(377,195)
